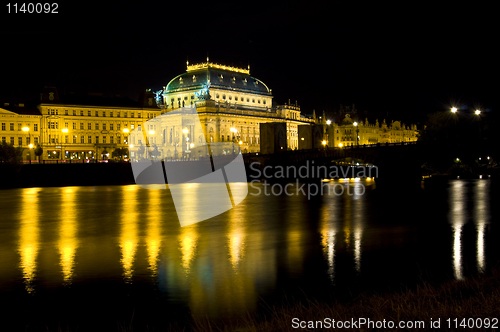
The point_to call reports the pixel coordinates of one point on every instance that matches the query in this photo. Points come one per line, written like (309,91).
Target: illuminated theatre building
(229,104)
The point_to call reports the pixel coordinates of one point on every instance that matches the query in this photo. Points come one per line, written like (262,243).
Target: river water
(94,257)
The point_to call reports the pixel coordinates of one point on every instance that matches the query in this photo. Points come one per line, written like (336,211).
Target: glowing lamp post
(185,131)
(27,130)
(454,110)
(357,133)
(65,131)
(234,131)
(477,112)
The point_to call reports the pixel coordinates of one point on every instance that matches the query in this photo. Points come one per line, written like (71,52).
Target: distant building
(75,127)
(349,132)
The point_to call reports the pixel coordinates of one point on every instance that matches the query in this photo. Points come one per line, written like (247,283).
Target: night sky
(396,62)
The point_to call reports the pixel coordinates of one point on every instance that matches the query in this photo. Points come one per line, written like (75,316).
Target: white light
(355,123)
(454,110)
(328,122)
(478,112)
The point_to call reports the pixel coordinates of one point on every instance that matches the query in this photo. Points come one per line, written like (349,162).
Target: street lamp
(27,130)
(477,112)
(234,131)
(328,122)
(64,130)
(185,131)
(357,133)
(454,110)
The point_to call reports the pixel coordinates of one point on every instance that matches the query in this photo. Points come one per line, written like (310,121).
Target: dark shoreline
(120,173)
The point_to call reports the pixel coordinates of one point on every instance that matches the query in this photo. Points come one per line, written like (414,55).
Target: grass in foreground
(477,297)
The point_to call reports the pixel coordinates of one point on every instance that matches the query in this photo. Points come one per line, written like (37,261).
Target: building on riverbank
(230,105)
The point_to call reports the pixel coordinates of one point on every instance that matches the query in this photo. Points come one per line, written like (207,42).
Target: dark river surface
(93,257)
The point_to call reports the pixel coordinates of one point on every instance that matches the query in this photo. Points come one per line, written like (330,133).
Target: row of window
(87,140)
(103,113)
(240,98)
(97,126)
(19,126)
(244,139)
(20,140)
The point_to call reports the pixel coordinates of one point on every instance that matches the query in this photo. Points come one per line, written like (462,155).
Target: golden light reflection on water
(224,282)
(236,239)
(457,219)
(358,215)
(329,226)
(129,234)
(29,232)
(188,241)
(481,219)
(154,233)
(68,237)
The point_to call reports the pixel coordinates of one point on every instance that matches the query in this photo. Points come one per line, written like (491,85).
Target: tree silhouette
(38,152)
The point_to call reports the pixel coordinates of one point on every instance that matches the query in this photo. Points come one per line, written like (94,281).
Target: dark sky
(403,61)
